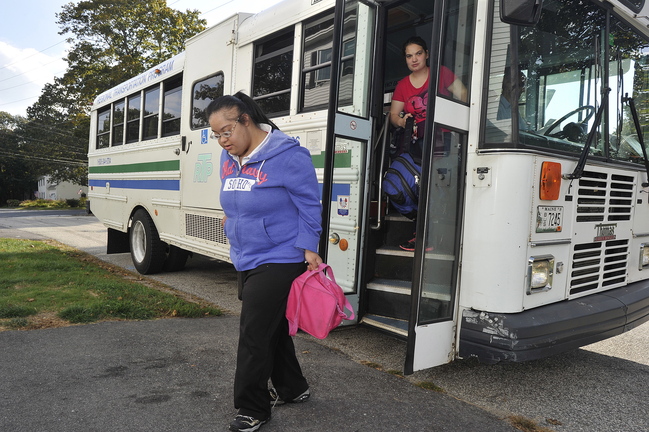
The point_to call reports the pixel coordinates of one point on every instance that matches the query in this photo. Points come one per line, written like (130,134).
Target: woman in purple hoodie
(271,201)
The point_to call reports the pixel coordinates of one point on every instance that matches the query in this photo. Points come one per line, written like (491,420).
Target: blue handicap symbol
(204,136)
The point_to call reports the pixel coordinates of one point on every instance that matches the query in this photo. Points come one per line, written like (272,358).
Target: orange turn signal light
(550,180)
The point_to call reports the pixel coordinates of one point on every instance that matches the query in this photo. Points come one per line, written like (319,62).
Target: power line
(32,55)
(42,159)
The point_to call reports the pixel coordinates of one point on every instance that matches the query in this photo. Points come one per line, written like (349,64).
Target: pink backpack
(316,304)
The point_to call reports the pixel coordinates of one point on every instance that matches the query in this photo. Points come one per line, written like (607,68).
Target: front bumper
(554,328)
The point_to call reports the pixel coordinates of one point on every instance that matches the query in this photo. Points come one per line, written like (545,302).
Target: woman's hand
(313,259)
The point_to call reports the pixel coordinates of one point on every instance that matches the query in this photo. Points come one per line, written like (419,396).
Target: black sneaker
(243,423)
(275,400)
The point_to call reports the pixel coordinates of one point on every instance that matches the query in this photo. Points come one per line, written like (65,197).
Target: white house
(61,191)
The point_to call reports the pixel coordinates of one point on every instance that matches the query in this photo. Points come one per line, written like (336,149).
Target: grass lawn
(47,284)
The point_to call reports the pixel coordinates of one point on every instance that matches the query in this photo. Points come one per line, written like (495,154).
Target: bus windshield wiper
(579,169)
(636,122)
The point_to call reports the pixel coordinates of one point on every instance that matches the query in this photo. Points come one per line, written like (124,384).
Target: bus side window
(103,127)
(204,92)
(151,110)
(171,106)
(133,118)
(316,63)
(118,123)
(272,74)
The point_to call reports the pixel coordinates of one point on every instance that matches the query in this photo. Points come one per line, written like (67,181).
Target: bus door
(433,313)
(411,286)
(349,130)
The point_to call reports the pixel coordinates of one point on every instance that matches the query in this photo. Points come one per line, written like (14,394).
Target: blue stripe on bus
(338,189)
(171,185)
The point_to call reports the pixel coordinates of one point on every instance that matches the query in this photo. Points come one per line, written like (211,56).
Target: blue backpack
(401,185)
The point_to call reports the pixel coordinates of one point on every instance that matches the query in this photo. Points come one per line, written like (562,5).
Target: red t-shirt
(415,99)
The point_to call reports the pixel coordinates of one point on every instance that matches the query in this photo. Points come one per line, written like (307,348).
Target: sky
(32,51)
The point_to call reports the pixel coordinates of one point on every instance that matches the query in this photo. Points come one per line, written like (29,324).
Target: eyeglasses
(227,134)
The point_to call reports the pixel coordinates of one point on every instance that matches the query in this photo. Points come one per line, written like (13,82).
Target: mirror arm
(579,169)
(636,122)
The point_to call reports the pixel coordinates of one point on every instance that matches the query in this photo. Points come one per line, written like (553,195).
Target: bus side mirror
(520,12)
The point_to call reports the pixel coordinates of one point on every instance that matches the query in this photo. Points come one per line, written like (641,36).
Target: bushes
(13,202)
(53,204)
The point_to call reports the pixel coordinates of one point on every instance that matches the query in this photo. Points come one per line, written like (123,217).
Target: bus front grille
(604,197)
(205,227)
(598,265)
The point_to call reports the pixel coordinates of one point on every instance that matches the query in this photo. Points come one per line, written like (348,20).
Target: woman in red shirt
(410,98)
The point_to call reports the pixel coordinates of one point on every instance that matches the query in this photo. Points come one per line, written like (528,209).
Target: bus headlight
(644,256)
(540,270)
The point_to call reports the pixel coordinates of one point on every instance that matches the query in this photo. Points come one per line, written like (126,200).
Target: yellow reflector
(550,180)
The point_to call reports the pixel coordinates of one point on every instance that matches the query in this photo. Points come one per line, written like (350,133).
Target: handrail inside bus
(383,137)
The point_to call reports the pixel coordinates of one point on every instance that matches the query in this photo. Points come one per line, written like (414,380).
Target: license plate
(549,219)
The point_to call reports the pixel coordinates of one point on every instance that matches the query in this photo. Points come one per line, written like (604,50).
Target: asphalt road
(603,387)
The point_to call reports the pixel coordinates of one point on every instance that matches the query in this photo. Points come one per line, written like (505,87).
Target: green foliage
(13,202)
(37,278)
(18,178)
(110,42)
(53,204)
(13,311)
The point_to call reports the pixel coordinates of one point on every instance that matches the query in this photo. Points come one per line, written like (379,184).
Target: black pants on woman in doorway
(265,348)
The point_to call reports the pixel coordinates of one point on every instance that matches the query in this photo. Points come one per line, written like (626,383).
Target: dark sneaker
(243,423)
(275,400)
(409,245)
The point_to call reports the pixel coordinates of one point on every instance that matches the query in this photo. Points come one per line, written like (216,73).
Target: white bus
(533,228)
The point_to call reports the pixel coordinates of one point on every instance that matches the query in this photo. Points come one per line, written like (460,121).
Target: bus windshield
(554,78)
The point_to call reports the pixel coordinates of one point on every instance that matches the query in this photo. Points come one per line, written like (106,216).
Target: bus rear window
(204,92)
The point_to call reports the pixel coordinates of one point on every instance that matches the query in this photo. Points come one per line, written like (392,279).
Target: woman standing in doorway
(271,201)
(410,99)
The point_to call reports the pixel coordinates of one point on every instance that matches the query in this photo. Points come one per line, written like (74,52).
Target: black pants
(265,348)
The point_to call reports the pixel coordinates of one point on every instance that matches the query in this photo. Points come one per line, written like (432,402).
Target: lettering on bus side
(203,168)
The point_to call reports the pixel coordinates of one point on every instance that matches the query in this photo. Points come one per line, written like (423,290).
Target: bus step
(390,325)
(393,263)
(389,298)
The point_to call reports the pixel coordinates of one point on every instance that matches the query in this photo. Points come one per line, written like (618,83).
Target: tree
(17,178)
(111,41)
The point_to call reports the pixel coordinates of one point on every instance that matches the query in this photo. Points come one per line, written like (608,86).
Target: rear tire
(148,252)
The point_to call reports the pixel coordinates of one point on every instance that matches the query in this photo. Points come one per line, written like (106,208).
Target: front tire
(148,252)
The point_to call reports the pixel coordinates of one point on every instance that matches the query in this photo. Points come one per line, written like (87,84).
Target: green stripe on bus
(342,160)
(171,165)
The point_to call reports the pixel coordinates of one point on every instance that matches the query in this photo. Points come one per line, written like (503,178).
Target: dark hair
(414,40)
(244,104)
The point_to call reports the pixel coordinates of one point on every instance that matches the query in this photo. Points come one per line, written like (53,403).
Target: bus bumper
(554,328)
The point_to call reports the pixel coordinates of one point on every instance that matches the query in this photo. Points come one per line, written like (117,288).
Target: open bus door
(349,131)
(412,294)
(433,313)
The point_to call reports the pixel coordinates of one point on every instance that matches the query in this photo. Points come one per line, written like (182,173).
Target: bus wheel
(176,258)
(147,250)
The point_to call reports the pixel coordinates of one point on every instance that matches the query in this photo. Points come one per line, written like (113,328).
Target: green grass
(46,279)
